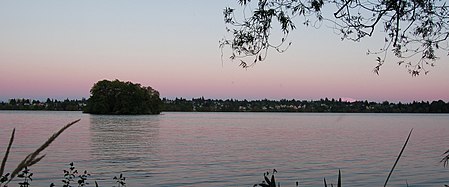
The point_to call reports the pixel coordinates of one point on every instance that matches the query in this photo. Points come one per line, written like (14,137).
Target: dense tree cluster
(117,97)
(49,104)
(323,105)
(232,105)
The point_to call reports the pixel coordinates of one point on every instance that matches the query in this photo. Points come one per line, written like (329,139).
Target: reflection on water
(123,143)
(123,137)
(234,149)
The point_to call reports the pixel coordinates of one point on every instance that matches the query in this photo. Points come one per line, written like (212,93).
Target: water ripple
(234,149)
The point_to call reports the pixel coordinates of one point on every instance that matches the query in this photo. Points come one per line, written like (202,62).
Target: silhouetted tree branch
(416,31)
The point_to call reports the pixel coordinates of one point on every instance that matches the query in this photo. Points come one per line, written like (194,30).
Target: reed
(445,159)
(272,182)
(399,156)
(31,158)
(5,158)
(267,182)
(72,174)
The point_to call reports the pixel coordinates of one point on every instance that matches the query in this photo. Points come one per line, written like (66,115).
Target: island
(122,98)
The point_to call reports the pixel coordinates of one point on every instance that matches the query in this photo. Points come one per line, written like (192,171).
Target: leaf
(267,180)
(273,181)
(378,59)
(243,64)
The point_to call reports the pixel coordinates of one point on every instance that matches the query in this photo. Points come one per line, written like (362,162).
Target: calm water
(233,149)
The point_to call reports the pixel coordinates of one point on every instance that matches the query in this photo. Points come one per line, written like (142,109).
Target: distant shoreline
(265,105)
(236,112)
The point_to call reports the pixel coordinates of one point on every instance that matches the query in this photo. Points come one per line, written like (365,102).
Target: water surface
(233,149)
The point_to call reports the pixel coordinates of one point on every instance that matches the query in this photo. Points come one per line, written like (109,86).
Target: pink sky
(59,50)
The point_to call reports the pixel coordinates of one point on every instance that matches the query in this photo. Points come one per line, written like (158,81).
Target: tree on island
(415,31)
(117,97)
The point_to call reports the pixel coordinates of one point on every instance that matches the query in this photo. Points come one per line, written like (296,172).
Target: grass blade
(397,159)
(325,184)
(339,179)
(5,158)
(31,158)
(445,159)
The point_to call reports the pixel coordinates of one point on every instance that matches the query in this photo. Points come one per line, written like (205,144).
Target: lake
(233,149)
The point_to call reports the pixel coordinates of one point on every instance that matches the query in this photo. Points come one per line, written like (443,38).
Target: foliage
(267,182)
(72,173)
(177,105)
(22,170)
(414,30)
(29,160)
(71,176)
(49,104)
(283,105)
(117,97)
(338,181)
(272,183)
(26,176)
(120,180)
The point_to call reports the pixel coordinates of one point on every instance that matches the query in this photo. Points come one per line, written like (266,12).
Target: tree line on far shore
(49,104)
(232,105)
(283,105)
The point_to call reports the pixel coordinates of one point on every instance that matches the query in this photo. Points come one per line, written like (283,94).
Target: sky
(59,49)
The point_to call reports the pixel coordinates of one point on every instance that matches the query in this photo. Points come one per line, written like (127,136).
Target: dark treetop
(117,97)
